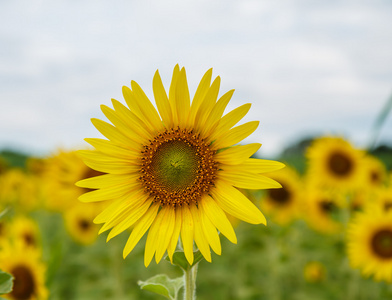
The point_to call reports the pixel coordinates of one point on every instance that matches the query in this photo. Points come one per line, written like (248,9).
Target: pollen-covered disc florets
(177,167)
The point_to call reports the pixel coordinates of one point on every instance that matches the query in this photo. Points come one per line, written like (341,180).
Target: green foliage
(6,281)
(13,158)
(180,260)
(162,285)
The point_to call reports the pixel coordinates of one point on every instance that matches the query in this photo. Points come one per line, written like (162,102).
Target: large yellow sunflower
(335,163)
(28,271)
(175,173)
(369,243)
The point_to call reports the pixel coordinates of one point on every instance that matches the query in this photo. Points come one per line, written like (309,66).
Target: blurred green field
(267,263)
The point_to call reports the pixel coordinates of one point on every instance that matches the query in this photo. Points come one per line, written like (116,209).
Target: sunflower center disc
(24,286)
(177,167)
(382,243)
(375,177)
(29,239)
(327,206)
(340,164)
(84,225)
(280,196)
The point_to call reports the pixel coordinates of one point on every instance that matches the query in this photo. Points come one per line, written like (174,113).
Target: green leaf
(163,285)
(6,281)
(180,260)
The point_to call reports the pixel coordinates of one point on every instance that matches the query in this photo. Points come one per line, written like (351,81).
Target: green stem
(190,283)
(379,122)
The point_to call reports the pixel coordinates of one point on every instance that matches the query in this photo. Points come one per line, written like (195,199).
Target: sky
(308,67)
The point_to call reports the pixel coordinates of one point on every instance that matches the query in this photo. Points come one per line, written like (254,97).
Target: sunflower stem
(190,283)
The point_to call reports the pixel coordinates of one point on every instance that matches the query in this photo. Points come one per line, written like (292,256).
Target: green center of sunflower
(381,243)
(24,285)
(178,167)
(280,196)
(340,164)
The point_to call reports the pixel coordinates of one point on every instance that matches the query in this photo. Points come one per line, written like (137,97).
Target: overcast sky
(307,67)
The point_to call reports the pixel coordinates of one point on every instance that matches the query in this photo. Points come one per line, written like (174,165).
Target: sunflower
(314,271)
(62,171)
(284,204)
(175,173)
(322,209)
(335,163)
(375,172)
(25,232)
(79,223)
(369,243)
(28,272)
(20,190)
(383,198)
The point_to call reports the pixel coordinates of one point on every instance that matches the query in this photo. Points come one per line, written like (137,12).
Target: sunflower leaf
(162,285)
(180,260)
(6,281)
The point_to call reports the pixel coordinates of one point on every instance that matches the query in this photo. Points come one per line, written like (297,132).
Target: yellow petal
(124,210)
(236,135)
(182,99)
(237,154)
(201,91)
(165,232)
(216,113)
(104,163)
(122,127)
(198,234)
(109,148)
(112,133)
(159,235)
(256,165)
(187,229)
(217,216)
(141,129)
(131,101)
(103,181)
(140,228)
(246,180)
(210,233)
(162,101)
(146,107)
(229,120)
(172,94)
(236,204)
(109,193)
(176,234)
(131,218)
(207,104)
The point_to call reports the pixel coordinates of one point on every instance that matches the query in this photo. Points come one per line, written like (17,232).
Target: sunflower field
(175,181)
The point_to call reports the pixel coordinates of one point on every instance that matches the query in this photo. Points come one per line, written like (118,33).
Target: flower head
(369,243)
(175,171)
